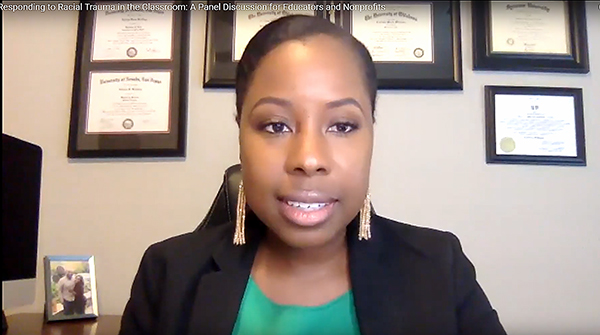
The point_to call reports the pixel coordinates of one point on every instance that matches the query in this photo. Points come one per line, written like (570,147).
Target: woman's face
(306,139)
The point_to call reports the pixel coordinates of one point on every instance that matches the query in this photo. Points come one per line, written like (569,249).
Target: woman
(79,302)
(305,256)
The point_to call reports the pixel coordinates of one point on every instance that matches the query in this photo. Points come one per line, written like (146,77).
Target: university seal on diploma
(131,52)
(128,123)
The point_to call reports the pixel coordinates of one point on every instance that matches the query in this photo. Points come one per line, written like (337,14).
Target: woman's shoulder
(194,246)
(417,239)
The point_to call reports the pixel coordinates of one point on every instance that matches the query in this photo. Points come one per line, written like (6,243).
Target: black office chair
(223,208)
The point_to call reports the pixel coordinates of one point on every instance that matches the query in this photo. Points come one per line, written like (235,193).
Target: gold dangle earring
(364,228)
(239,237)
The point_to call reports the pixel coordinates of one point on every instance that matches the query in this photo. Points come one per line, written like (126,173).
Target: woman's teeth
(306,206)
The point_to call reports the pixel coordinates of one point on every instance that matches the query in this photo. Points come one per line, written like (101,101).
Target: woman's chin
(307,238)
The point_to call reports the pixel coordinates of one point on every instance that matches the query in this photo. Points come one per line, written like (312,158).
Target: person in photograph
(79,303)
(59,273)
(66,292)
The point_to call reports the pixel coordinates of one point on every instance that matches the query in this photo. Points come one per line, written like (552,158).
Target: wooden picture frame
(534,125)
(131,80)
(70,288)
(439,67)
(530,36)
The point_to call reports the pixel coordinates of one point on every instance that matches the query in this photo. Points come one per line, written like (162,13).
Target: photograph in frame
(146,107)
(415,45)
(534,125)
(538,36)
(70,288)
(226,41)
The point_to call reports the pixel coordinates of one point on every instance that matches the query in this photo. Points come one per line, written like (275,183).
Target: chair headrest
(224,205)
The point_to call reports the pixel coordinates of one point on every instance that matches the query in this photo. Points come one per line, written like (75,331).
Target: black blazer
(405,280)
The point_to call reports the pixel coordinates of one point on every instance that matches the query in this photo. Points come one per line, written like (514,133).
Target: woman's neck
(325,260)
(302,276)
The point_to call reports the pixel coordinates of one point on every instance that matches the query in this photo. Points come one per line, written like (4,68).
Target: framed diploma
(130,82)
(415,45)
(541,36)
(119,35)
(128,102)
(534,125)
(231,25)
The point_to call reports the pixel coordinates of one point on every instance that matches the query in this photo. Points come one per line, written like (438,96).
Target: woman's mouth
(306,214)
(306,206)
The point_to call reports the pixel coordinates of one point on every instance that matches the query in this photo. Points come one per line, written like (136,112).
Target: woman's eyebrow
(273,100)
(288,104)
(344,102)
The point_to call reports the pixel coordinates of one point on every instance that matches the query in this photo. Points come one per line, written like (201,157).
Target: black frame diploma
(226,39)
(534,125)
(415,45)
(540,36)
(130,82)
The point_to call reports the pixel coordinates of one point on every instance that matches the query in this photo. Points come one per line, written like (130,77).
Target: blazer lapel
(381,293)
(219,294)
(381,289)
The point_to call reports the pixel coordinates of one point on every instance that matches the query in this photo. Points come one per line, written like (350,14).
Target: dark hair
(297,27)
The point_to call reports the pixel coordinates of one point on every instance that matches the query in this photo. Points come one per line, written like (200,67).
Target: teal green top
(259,315)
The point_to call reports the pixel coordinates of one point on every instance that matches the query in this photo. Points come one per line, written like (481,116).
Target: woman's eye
(276,128)
(343,127)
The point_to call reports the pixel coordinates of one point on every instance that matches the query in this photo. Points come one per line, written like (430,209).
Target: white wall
(532,231)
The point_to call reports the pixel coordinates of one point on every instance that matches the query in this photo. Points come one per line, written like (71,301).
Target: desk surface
(33,324)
